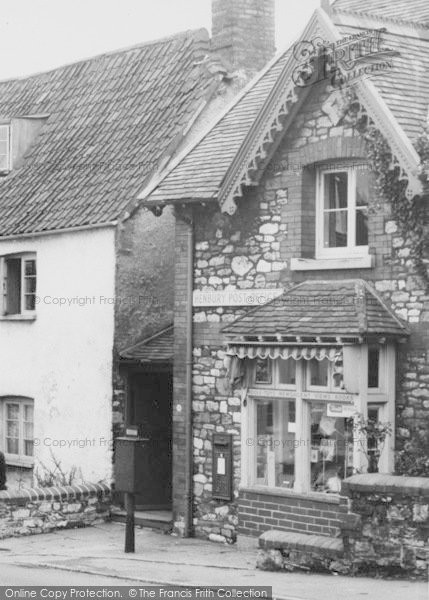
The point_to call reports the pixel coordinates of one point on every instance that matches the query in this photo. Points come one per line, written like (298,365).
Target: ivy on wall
(410,215)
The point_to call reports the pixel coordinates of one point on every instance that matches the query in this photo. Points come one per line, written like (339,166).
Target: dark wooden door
(151,399)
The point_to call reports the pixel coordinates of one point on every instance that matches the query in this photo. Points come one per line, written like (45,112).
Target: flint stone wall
(42,510)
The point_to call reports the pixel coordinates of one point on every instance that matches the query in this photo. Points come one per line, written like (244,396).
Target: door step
(290,551)
(153,519)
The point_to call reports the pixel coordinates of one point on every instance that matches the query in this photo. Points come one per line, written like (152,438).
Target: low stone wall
(387,528)
(41,510)
(385,532)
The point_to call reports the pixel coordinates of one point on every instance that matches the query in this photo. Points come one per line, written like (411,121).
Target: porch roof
(319,310)
(156,349)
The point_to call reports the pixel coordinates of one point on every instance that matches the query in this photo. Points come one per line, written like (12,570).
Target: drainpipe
(189,465)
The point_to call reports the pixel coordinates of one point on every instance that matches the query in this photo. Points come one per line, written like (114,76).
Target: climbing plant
(391,187)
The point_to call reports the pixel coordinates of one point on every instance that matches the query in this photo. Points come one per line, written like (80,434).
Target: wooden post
(129,523)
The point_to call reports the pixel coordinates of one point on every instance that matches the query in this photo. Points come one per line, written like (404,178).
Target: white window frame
(20,459)
(382,397)
(24,312)
(351,250)
(321,388)
(7,128)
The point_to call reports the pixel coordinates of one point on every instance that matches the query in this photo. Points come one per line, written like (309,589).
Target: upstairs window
(19,284)
(342,212)
(4,148)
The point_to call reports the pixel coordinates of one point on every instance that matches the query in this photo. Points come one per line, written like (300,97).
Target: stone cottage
(84,273)
(301,311)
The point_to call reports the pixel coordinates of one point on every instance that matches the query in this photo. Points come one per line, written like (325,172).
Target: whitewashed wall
(63,359)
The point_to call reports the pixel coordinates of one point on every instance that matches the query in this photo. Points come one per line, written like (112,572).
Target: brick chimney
(243,33)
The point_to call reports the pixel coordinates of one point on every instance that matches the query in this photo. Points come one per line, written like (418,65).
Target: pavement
(94,556)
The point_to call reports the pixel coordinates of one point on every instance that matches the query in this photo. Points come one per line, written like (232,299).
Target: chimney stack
(243,33)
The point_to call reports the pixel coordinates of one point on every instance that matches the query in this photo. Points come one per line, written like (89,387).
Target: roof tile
(321,308)
(111,118)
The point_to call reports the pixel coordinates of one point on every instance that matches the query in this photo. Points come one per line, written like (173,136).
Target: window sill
(285,492)
(15,461)
(327,264)
(17,317)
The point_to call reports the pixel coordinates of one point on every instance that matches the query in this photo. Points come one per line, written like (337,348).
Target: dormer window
(4,149)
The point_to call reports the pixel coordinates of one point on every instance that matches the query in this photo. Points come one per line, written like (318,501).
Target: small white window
(4,148)
(19,284)
(17,422)
(342,213)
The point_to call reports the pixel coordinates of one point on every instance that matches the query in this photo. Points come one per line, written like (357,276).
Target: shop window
(275,443)
(286,371)
(331,455)
(318,373)
(373,367)
(314,449)
(342,212)
(263,371)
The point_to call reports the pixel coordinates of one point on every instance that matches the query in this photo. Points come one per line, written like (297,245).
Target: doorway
(150,408)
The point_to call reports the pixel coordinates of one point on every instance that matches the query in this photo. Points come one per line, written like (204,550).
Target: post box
(130,454)
(222,466)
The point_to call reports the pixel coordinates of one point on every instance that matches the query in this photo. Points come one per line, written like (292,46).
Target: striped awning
(285,352)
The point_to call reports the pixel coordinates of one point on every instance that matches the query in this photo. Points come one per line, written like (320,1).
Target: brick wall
(243,32)
(261,512)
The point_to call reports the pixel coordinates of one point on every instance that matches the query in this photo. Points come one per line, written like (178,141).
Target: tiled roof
(404,88)
(158,348)
(321,309)
(416,11)
(111,118)
(202,170)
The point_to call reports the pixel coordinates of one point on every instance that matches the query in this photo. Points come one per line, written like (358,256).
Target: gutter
(189,460)
(34,234)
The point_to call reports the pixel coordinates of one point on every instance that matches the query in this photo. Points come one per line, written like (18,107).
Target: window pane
(28,431)
(3,148)
(13,286)
(263,371)
(30,302)
(287,371)
(275,444)
(28,448)
(12,446)
(362,187)
(362,227)
(373,367)
(28,413)
(319,372)
(331,454)
(13,411)
(335,190)
(3,162)
(335,229)
(30,267)
(4,133)
(12,429)
(30,285)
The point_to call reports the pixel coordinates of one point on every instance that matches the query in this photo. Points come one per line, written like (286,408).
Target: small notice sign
(235,297)
(344,411)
